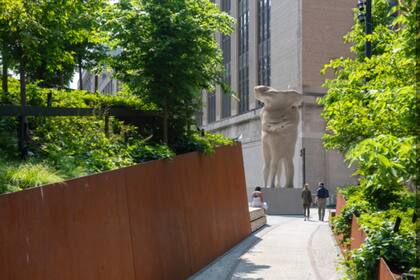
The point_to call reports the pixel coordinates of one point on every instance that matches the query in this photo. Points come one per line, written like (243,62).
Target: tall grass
(25,175)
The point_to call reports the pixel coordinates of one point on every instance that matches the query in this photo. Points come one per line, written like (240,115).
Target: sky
(74,81)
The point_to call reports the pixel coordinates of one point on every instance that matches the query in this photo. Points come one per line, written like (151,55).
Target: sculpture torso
(279,118)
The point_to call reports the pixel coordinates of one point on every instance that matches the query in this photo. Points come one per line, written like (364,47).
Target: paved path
(287,248)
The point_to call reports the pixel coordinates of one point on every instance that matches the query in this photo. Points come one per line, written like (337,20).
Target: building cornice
(234,120)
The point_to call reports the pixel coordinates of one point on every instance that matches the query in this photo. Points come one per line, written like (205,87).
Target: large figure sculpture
(279,119)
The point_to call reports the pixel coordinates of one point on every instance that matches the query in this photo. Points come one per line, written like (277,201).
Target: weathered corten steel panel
(8,228)
(217,205)
(340,203)
(238,198)
(156,211)
(384,273)
(76,230)
(159,220)
(201,212)
(358,236)
(98,225)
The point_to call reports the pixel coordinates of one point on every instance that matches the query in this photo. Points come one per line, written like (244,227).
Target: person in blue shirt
(321,199)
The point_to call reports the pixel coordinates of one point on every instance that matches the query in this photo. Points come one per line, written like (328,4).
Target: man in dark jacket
(321,195)
(307,200)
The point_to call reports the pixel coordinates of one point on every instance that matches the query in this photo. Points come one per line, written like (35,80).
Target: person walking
(321,199)
(307,200)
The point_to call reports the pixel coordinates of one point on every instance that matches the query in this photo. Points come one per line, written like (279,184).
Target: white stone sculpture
(279,120)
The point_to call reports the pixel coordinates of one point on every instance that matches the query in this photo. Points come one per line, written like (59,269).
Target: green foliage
(355,205)
(80,141)
(38,96)
(76,146)
(8,143)
(164,51)
(25,175)
(167,53)
(142,153)
(399,250)
(348,191)
(376,96)
(386,165)
(370,109)
(374,221)
(48,38)
(204,143)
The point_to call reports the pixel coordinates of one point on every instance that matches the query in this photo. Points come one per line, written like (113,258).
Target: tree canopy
(370,106)
(48,38)
(167,52)
(371,115)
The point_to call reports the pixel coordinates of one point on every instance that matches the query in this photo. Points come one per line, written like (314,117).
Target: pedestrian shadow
(246,268)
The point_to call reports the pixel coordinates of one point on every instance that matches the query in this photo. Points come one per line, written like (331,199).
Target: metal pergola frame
(39,111)
(9,110)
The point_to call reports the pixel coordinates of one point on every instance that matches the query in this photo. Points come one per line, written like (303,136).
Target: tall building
(284,44)
(106,84)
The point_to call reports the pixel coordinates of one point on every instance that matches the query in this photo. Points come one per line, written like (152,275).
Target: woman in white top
(258,199)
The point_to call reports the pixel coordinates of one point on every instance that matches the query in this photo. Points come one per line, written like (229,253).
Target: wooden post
(5,85)
(165,127)
(80,75)
(23,121)
(96,83)
(61,79)
(165,122)
(49,99)
(106,128)
(397,224)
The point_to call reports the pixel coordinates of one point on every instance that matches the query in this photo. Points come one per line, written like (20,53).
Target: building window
(243,56)
(108,89)
(226,6)
(226,48)
(211,107)
(118,86)
(264,64)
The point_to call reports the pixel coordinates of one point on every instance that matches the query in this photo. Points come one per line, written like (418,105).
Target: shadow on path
(287,248)
(224,266)
(250,268)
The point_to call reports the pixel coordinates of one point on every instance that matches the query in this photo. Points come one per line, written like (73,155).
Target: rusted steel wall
(384,273)
(340,203)
(357,234)
(159,220)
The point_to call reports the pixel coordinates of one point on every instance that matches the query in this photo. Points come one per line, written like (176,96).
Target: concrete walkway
(287,248)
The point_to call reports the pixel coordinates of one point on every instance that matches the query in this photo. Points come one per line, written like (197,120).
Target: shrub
(348,191)
(78,146)
(355,205)
(372,222)
(142,152)
(205,143)
(398,248)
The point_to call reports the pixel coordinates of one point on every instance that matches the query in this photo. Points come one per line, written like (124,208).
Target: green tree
(43,40)
(371,115)
(49,38)
(370,106)
(167,53)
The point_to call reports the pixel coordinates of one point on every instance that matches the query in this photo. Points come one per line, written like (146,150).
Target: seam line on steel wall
(187,228)
(129,223)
